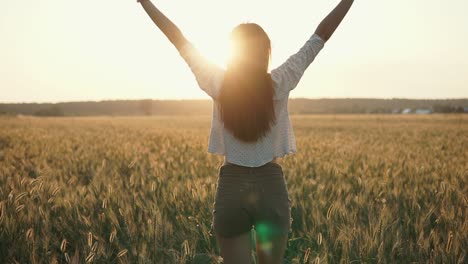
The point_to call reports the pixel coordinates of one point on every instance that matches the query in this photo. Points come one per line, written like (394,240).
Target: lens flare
(265,232)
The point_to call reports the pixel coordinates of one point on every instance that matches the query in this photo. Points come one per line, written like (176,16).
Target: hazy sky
(61,50)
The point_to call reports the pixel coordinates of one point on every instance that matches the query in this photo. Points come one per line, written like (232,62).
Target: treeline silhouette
(204,107)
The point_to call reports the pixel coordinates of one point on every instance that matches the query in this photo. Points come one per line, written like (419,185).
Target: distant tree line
(448,109)
(54,110)
(374,106)
(204,107)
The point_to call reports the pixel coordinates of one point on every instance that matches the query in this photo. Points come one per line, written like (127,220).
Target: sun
(214,48)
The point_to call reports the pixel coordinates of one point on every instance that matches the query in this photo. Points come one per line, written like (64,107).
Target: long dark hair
(246,95)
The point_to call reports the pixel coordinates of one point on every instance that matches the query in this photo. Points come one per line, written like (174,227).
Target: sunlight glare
(216,49)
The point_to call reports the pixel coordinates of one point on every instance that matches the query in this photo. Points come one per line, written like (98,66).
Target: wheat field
(364,189)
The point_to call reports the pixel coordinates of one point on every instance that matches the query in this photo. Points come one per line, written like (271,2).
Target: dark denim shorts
(251,197)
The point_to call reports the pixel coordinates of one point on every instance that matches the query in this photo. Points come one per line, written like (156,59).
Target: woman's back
(280,140)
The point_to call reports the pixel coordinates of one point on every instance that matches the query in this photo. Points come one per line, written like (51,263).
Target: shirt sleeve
(287,76)
(209,76)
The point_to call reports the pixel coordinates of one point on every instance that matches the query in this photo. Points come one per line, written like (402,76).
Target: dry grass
(365,189)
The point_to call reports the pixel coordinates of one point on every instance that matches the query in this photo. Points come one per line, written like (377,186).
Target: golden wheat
(364,189)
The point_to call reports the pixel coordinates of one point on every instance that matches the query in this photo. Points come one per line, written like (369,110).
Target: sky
(91,50)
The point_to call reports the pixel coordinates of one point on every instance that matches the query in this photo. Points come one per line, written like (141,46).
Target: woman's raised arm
(209,76)
(169,29)
(332,21)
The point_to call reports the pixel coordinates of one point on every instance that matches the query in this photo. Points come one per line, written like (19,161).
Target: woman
(251,128)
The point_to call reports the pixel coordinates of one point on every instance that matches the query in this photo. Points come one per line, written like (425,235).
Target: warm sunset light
(55,50)
(240,131)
